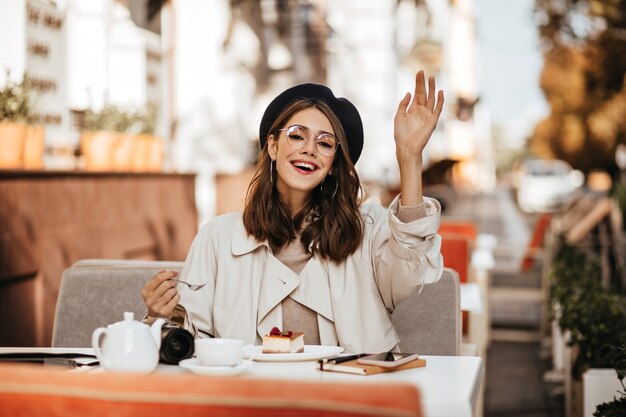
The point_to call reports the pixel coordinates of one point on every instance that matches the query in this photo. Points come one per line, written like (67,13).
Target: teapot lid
(128,322)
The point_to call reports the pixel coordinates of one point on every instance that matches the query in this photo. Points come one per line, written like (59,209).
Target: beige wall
(50,220)
(231,190)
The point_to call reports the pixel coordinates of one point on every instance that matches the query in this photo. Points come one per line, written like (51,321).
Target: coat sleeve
(404,256)
(200,267)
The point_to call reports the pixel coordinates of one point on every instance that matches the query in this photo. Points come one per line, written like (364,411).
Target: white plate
(311,352)
(194,365)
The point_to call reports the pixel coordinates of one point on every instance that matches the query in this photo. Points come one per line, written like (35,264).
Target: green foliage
(595,316)
(117,119)
(615,408)
(617,357)
(15,104)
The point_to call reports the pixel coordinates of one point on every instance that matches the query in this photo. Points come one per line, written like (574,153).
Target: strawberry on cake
(283,342)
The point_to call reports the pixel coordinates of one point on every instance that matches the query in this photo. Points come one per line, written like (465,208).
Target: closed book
(352,367)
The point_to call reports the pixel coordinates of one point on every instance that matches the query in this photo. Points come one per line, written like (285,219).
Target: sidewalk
(514,366)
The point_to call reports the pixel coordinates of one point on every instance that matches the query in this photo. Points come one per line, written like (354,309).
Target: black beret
(345,111)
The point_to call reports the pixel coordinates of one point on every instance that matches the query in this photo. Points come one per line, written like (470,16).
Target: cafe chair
(96,292)
(429,322)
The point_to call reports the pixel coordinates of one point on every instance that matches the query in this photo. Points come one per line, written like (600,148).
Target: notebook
(352,367)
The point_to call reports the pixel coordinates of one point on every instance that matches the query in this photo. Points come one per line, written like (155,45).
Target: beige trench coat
(353,299)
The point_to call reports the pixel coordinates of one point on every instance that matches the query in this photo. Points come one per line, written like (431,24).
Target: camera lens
(176,345)
(179,346)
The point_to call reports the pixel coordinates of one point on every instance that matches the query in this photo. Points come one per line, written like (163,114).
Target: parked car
(546,185)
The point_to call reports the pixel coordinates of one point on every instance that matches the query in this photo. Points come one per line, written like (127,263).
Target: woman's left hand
(414,124)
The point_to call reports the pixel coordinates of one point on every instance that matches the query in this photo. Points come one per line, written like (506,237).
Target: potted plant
(15,114)
(148,149)
(104,144)
(118,139)
(617,406)
(593,316)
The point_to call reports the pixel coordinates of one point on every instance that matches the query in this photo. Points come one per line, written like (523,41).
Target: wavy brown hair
(333,227)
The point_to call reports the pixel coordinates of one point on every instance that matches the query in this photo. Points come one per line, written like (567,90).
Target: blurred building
(33,40)
(84,54)
(467,127)
(211,67)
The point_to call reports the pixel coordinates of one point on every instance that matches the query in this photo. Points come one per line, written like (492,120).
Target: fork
(192,287)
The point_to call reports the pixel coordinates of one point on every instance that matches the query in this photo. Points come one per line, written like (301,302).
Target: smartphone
(388,359)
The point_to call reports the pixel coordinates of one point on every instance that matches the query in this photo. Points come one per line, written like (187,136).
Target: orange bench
(32,390)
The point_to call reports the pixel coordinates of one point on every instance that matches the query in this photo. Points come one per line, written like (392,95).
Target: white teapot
(129,345)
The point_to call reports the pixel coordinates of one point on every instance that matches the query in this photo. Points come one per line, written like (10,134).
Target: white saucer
(311,352)
(193,364)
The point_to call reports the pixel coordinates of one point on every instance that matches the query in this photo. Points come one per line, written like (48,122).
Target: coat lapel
(277,282)
(314,289)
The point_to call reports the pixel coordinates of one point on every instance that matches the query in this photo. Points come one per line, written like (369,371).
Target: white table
(449,385)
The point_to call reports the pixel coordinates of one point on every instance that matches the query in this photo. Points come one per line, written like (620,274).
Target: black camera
(176,344)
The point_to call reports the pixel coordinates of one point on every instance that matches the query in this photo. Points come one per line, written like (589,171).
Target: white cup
(219,352)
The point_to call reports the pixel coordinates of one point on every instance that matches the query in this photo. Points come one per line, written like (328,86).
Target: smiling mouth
(305,166)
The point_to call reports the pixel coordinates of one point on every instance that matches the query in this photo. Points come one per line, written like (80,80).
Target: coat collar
(242,242)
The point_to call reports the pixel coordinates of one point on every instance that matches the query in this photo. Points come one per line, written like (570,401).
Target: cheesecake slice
(283,342)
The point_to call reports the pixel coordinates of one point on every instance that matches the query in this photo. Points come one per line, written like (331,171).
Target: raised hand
(414,123)
(412,127)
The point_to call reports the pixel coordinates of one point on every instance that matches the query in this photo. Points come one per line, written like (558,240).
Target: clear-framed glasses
(297,136)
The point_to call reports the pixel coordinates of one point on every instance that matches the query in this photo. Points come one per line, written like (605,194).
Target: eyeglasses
(297,136)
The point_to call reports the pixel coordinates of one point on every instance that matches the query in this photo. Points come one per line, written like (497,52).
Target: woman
(304,254)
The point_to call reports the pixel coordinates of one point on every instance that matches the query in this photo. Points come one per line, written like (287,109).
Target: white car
(546,185)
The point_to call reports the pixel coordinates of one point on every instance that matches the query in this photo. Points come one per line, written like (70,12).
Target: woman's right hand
(160,294)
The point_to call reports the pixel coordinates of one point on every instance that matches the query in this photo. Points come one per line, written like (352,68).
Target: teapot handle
(95,343)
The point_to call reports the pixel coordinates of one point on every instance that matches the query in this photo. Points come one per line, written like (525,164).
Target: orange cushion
(456,252)
(465,228)
(29,390)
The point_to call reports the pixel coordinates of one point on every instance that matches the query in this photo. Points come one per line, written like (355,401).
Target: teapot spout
(155,329)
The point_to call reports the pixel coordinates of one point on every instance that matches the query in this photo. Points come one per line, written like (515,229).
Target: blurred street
(514,365)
